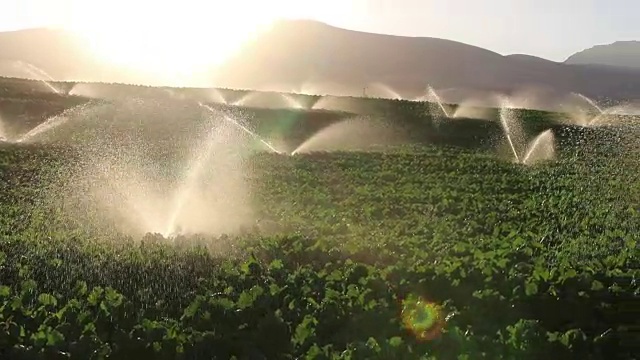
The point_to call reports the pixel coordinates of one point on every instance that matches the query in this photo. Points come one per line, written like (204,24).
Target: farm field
(436,246)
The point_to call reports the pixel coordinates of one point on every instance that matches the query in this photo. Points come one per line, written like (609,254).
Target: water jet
(270,100)
(243,128)
(35,73)
(202,190)
(57,120)
(382,91)
(542,147)
(3,131)
(354,134)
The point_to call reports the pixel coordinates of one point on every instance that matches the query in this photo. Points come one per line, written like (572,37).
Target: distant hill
(297,52)
(528,58)
(620,53)
(312,57)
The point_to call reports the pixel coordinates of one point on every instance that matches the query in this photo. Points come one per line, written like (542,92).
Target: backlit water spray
(57,120)
(507,118)
(433,97)
(541,148)
(38,74)
(194,174)
(243,128)
(177,171)
(590,102)
(3,131)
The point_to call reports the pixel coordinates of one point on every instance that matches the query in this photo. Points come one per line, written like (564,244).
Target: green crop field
(437,248)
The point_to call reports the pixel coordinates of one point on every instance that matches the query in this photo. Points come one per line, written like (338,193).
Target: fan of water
(293,103)
(590,102)
(215,96)
(540,148)
(86,90)
(613,115)
(351,135)
(268,100)
(478,108)
(436,105)
(340,103)
(379,90)
(77,112)
(435,98)
(3,132)
(224,157)
(118,92)
(130,184)
(511,127)
(580,115)
(33,72)
(245,129)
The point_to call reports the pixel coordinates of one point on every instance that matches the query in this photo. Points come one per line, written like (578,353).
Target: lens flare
(422,317)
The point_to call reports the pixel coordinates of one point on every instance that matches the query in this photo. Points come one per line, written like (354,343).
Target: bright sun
(174,39)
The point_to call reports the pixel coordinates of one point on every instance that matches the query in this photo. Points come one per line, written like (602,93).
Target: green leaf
(571,273)
(541,273)
(94,296)
(225,303)
(39,338)
(192,309)
(596,285)
(531,288)
(245,300)
(274,289)
(28,286)
(47,300)
(276,265)
(54,338)
(81,288)
(305,330)
(5,291)
(631,245)
(113,298)
(314,352)
(395,341)
(373,344)
(89,328)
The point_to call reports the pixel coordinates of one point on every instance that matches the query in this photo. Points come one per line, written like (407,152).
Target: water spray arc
(505,119)
(541,148)
(433,97)
(243,128)
(603,116)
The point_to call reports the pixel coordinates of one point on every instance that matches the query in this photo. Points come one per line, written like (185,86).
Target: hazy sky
(553,29)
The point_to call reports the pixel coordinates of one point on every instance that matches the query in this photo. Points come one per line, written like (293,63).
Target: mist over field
(205,190)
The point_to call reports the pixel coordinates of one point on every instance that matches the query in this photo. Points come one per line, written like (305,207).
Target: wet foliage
(440,249)
(519,262)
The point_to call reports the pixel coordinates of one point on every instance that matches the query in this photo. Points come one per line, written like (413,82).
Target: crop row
(428,252)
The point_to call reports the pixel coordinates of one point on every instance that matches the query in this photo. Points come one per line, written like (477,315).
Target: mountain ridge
(304,54)
(324,53)
(620,53)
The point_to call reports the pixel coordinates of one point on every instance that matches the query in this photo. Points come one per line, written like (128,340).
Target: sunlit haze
(180,37)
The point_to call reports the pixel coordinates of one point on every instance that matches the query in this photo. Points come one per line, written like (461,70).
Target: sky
(552,29)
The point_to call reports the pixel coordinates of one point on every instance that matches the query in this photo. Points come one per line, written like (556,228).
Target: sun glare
(174,39)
